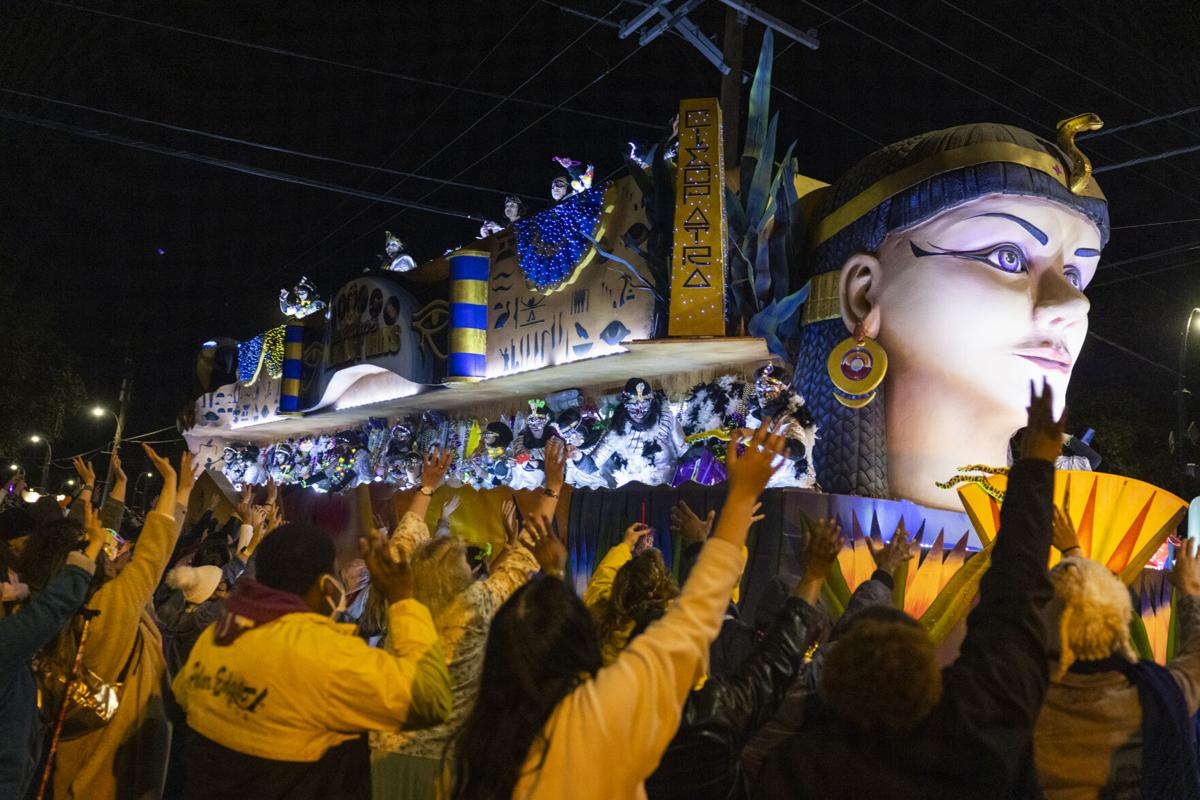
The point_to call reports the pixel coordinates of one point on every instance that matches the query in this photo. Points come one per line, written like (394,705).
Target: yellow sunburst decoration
(1120,521)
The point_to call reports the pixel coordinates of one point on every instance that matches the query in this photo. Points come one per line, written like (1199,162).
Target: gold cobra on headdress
(1081,167)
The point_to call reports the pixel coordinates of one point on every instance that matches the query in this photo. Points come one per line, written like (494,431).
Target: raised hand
(186,479)
(119,476)
(750,469)
(547,548)
(508,512)
(634,534)
(93,532)
(84,470)
(554,464)
(1065,538)
(245,508)
(691,528)
(888,557)
(1043,434)
(823,545)
(166,497)
(392,576)
(450,506)
(1185,575)
(434,467)
(272,492)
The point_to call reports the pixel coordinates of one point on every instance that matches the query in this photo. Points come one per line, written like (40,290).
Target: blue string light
(551,244)
(249,352)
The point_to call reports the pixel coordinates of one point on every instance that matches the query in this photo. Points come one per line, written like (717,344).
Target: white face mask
(335,595)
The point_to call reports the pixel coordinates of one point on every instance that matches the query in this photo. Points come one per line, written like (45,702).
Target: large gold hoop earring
(856,366)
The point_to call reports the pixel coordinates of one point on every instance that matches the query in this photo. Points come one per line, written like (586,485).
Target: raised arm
(433,469)
(634,703)
(1185,666)
(1001,673)
(29,630)
(599,588)
(377,689)
(753,692)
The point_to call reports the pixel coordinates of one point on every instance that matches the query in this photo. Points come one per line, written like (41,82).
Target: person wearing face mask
(643,442)
(277,693)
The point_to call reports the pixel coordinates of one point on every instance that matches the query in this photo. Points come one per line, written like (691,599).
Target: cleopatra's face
(986,297)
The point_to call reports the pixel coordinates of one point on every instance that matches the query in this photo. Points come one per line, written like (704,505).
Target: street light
(36,439)
(99,411)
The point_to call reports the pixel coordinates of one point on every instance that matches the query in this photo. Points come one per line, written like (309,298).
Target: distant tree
(1131,433)
(40,386)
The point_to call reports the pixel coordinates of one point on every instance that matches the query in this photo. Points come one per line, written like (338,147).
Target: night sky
(82,222)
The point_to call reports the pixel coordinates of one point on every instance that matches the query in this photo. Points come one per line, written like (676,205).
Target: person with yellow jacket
(278,695)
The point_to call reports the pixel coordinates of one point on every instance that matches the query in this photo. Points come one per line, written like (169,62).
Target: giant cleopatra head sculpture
(956,263)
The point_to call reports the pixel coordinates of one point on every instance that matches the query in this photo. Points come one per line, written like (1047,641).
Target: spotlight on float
(35,439)
(98,411)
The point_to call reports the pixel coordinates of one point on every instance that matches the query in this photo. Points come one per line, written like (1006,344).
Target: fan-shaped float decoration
(1120,521)
(1154,629)
(936,587)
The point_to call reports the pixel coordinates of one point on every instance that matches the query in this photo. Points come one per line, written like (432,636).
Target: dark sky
(81,221)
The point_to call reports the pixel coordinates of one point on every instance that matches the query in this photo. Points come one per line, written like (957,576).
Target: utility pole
(126,388)
(731,82)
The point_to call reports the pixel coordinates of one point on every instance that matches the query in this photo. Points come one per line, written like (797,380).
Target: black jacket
(702,760)
(977,741)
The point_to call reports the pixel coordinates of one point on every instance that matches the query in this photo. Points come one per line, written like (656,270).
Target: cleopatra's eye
(1074,277)
(1007,257)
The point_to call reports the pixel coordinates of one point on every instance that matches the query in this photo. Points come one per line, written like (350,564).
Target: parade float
(892,322)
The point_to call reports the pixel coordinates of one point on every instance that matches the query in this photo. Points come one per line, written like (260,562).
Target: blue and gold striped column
(293,363)
(467,360)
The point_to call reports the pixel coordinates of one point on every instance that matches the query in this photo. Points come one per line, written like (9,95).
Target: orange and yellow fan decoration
(1120,521)
(1154,629)
(936,587)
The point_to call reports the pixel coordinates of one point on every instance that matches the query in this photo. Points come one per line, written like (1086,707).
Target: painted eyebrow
(1087,252)
(1029,227)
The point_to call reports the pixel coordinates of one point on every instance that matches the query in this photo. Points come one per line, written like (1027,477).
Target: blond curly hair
(1096,612)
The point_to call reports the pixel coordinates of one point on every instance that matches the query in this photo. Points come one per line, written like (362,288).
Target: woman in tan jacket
(127,758)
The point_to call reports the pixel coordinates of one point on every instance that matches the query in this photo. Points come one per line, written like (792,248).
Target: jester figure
(529,447)
(643,442)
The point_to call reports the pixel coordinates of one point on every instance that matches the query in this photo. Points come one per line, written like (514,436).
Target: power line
(1035,93)
(1105,131)
(1128,352)
(563,51)
(343,65)
(258,145)
(230,165)
(1154,224)
(1076,17)
(1178,151)
(416,129)
(503,144)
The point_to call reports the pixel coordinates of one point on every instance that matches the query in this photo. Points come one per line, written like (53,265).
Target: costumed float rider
(395,257)
(963,252)
(490,465)
(301,301)
(716,409)
(772,398)
(514,210)
(643,442)
(529,447)
(581,433)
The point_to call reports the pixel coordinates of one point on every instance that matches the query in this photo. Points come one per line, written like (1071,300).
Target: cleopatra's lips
(1050,359)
